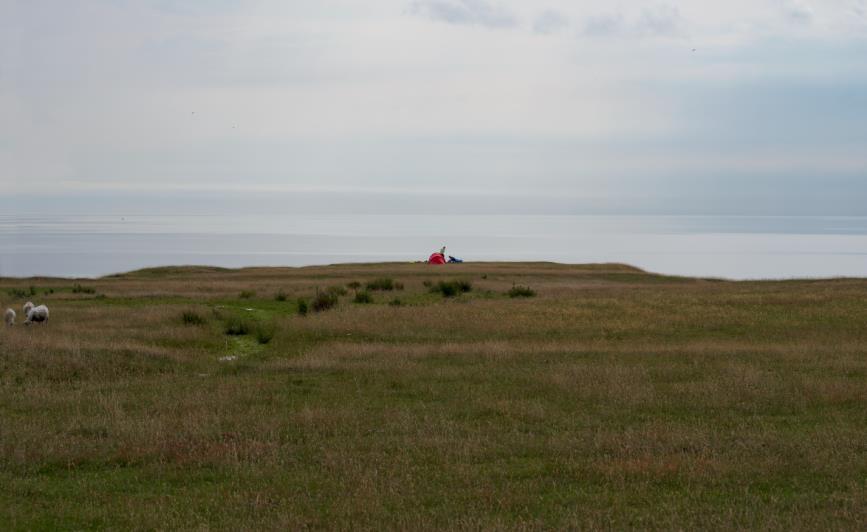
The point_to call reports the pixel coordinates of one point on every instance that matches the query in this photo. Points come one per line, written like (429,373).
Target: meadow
(408,396)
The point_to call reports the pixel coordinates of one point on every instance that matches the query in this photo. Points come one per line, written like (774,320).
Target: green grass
(363,297)
(521,291)
(451,288)
(604,402)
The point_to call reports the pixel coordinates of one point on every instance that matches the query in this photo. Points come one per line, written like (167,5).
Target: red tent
(436,258)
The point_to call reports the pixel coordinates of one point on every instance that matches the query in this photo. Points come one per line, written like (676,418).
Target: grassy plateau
(408,396)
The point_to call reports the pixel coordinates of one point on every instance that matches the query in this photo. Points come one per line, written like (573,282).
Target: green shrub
(264,332)
(280,296)
(451,288)
(521,291)
(247,294)
(238,326)
(324,300)
(17,293)
(384,283)
(302,306)
(191,317)
(396,302)
(337,291)
(78,289)
(363,297)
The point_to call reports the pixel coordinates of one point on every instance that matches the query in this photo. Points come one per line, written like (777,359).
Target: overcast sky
(743,106)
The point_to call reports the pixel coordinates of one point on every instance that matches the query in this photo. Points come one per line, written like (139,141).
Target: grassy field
(611,398)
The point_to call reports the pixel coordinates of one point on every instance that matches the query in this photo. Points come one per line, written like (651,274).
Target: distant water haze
(735,247)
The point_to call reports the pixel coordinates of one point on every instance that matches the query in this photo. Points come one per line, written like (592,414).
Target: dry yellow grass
(612,399)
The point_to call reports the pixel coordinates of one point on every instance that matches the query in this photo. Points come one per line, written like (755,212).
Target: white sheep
(9,316)
(37,315)
(27,307)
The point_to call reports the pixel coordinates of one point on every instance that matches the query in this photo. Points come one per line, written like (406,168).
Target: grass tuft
(521,291)
(324,300)
(363,297)
(452,288)
(281,296)
(191,317)
(337,291)
(302,306)
(247,294)
(381,284)
(78,289)
(238,326)
(264,332)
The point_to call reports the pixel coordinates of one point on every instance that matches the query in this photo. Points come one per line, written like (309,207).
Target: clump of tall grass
(452,288)
(383,284)
(363,297)
(264,332)
(354,285)
(281,296)
(191,317)
(78,289)
(302,306)
(324,300)
(337,290)
(521,291)
(17,293)
(396,302)
(238,326)
(247,294)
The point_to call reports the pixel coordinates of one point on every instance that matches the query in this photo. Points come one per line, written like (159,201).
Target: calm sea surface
(730,247)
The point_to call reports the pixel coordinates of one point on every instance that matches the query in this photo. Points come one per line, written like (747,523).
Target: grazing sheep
(37,315)
(9,316)
(27,307)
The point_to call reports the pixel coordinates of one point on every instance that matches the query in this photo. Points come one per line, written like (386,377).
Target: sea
(730,247)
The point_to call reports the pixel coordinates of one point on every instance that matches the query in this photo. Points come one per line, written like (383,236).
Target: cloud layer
(566,99)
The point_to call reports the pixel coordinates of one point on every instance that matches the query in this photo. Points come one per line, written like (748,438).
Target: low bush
(78,289)
(363,297)
(354,285)
(324,300)
(191,317)
(384,283)
(238,326)
(247,294)
(264,332)
(521,291)
(280,296)
(17,293)
(395,302)
(451,288)
(337,291)
(302,306)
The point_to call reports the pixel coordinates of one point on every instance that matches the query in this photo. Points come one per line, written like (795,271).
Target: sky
(674,107)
